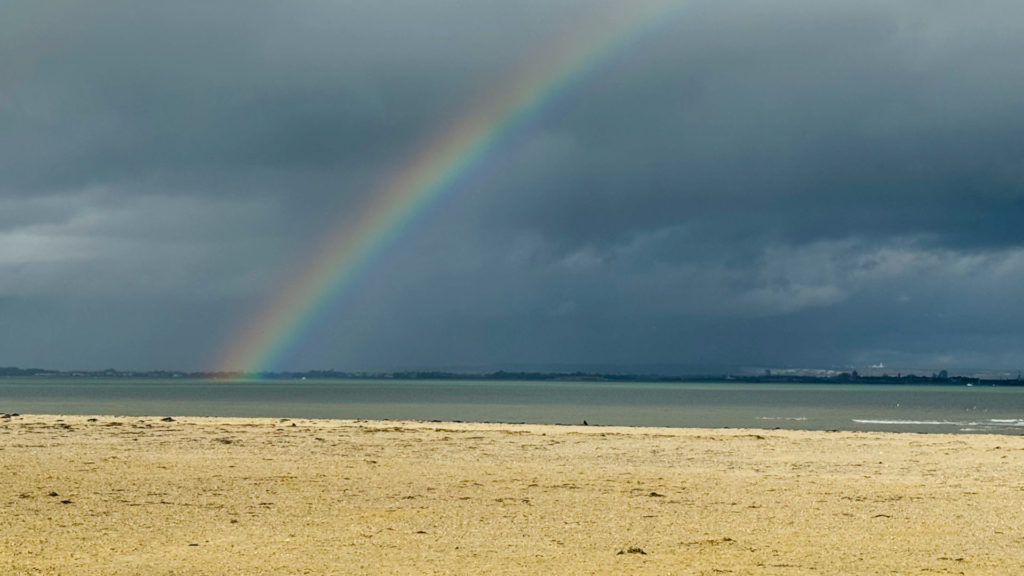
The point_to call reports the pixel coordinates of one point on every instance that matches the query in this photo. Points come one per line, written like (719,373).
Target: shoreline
(982,430)
(147,495)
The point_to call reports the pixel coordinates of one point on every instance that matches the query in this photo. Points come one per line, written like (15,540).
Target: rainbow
(266,341)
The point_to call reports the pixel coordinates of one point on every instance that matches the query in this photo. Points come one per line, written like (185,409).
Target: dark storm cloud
(829,122)
(746,183)
(116,91)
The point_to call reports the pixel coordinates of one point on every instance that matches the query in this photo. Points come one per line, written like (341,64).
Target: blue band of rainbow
(265,342)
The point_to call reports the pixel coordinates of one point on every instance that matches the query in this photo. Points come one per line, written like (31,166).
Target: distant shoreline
(852,377)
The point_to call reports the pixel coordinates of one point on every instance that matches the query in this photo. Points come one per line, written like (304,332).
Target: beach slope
(127,495)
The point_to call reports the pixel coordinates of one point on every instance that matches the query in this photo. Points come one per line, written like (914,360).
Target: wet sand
(128,495)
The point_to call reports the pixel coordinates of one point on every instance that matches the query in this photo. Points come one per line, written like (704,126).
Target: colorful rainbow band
(266,341)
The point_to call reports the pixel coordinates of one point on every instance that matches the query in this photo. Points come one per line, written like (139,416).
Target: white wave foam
(988,425)
(911,422)
(789,418)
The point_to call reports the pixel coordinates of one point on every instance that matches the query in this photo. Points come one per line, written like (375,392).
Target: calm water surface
(959,409)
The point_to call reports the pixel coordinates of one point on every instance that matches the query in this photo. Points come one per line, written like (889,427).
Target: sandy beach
(126,495)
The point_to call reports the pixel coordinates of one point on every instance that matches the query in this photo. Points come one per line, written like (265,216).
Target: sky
(772,184)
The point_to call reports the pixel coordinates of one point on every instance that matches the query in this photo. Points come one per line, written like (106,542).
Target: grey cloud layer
(749,183)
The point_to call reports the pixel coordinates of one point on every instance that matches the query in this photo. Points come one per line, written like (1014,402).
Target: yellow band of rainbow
(264,342)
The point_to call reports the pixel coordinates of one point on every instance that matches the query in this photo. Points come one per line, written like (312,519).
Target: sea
(796,406)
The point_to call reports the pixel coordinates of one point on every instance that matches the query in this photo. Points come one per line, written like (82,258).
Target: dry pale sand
(128,495)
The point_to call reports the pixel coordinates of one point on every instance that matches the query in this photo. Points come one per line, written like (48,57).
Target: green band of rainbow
(264,343)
